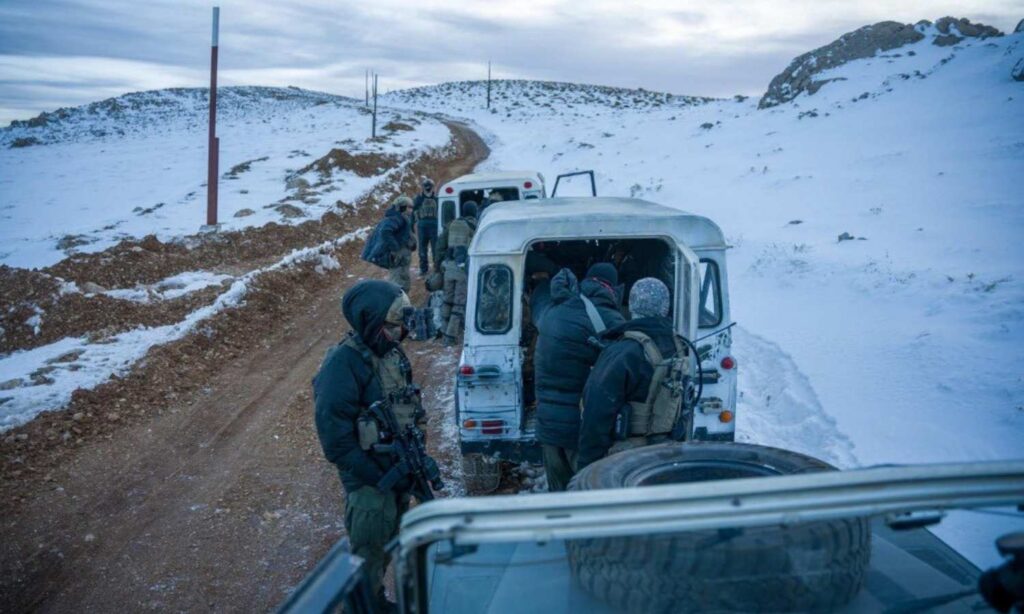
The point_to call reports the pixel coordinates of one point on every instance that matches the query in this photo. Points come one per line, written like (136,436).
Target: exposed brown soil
(196,481)
(364,165)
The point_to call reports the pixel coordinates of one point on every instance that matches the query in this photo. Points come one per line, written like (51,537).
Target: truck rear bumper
(513,451)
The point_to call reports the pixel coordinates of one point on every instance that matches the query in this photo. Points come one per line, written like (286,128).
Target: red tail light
(492,427)
(467,370)
(728,363)
(449,190)
(528,185)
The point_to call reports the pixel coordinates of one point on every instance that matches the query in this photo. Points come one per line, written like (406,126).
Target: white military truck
(643,239)
(697,527)
(485,187)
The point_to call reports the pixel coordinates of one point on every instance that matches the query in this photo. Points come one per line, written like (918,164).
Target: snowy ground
(136,165)
(48,375)
(904,347)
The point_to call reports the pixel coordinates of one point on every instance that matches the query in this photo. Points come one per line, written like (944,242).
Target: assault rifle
(407,448)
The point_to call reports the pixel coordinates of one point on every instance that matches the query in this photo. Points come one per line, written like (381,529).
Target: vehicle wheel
(817,566)
(480,474)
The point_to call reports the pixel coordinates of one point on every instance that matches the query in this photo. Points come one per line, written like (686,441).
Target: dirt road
(219,501)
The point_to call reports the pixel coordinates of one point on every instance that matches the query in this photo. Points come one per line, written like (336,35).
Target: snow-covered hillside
(904,343)
(136,165)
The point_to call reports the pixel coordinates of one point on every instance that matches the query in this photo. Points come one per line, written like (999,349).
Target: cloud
(65,52)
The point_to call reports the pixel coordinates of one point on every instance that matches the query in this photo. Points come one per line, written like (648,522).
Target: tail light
(449,190)
(492,427)
(725,417)
(528,185)
(467,370)
(728,363)
(487,427)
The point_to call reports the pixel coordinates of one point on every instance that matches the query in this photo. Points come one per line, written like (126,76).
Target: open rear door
(593,184)
(338,580)
(687,291)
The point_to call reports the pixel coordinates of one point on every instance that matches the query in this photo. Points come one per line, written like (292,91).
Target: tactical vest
(394,375)
(660,409)
(460,233)
(428,209)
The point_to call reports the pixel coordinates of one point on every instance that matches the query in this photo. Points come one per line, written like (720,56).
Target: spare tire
(814,566)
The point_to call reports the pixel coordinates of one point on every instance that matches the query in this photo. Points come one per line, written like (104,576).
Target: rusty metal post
(214,143)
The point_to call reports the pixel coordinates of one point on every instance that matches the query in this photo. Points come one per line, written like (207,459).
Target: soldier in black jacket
(366,367)
(564,355)
(622,374)
(424,214)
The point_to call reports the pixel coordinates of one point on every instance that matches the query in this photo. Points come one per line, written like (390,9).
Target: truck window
(447,213)
(710,294)
(494,300)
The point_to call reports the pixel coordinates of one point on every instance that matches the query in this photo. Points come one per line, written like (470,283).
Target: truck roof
(488,177)
(509,227)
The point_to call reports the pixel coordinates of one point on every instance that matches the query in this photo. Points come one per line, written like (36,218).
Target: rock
(78,416)
(861,43)
(1020,27)
(151,244)
(11,384)
(296,183)
(795,222)
(21,437)
(946,40)
(244,212)
(89,287)
(72,241)
(707,125)
(113,416)
(289,211)
(965,28)
(1018,70)
(845,237)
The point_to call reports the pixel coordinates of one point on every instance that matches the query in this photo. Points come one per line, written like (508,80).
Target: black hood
(564,286)
(656,327)
(600,292)
(366,306)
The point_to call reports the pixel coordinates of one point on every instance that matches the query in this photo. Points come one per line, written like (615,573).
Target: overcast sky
(57,53)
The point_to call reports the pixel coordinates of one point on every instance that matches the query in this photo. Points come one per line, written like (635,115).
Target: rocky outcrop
(1018,70)
(1020,27)
(801,74)
(865,42)
(953,30)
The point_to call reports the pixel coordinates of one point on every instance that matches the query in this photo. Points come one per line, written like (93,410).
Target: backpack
(374,252)
(460,235)
(670,396)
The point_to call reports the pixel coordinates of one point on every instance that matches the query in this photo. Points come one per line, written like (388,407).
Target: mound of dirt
(363,165)
(799,76)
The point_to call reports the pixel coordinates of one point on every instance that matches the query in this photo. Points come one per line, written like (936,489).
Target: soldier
(568,316)
(643,349)
(392,242)
(453,257)
(424,211)
(367,366)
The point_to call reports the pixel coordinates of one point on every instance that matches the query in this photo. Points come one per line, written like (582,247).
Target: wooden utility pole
(213,160)
(488,84)
(373,132)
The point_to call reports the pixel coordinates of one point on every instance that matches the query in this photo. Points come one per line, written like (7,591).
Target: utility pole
(214,142)
(373,132)
(488,84)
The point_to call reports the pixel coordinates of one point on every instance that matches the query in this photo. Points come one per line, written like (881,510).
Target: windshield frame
(777,500)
